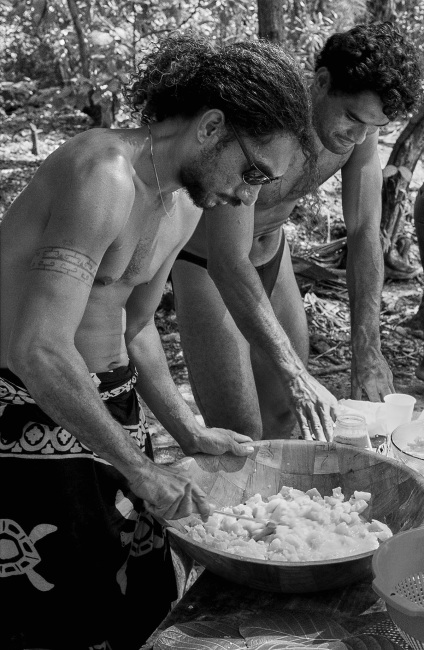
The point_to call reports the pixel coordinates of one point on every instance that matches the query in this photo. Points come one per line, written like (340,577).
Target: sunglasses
(253,175)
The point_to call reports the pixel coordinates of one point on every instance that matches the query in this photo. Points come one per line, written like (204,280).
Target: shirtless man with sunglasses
(86,249)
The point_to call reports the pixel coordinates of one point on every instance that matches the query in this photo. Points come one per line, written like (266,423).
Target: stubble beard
(193,181)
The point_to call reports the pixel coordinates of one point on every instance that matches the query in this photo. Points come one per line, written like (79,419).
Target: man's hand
(170,493)
(217,441)
(371,374)
(314,406)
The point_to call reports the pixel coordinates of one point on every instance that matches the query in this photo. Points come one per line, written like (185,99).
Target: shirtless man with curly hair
(240,314)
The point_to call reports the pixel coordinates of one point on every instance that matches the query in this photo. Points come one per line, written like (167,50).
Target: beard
(199,180)
(192,183)
(195,183)
(198,176)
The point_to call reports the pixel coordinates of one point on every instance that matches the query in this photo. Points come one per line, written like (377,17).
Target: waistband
(109,384)
(203,262)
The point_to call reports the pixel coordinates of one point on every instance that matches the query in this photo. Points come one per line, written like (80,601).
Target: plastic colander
(398,567)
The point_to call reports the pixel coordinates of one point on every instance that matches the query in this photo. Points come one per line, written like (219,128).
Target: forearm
(157,388)
(60,384)
(365,277)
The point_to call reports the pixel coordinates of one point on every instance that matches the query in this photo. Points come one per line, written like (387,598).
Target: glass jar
(351,429)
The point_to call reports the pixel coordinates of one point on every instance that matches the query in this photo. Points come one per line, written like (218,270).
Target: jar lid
(351,419)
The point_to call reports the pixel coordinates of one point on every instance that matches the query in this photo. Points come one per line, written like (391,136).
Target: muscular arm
(361,196)
(229,237)
(155,383)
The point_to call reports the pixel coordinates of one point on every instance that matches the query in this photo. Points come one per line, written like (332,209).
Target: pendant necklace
(156,173)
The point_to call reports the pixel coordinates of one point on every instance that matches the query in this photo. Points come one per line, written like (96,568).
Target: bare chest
(135,256)
(149,240)
(296,183)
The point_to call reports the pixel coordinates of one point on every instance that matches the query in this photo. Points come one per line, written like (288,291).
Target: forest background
(62,65)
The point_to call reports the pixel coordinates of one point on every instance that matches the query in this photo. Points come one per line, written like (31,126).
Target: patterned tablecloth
(216,614)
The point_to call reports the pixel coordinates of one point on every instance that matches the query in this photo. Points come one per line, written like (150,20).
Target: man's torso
(273,207)
(147,240)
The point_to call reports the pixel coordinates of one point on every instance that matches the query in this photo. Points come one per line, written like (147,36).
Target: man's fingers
(164,512)
(149,506)
(373,394)
(244,449)
(316,422)
(201,504)
(356,392)
(240,437)
(304,426)
(242,445)
(328,426)
(335,411)
(385,388)
(318,430)
(318,426)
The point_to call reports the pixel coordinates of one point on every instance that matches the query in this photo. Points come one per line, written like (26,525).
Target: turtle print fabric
(79,554)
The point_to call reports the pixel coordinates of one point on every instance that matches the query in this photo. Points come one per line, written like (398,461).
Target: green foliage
(411,19)
(90,66)
(87,48)
(308,24)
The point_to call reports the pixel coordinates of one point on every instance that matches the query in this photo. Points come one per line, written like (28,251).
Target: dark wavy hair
(257,85)
(375,57)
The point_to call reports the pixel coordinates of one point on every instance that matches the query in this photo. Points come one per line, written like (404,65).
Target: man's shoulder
(96,146)
(93,156)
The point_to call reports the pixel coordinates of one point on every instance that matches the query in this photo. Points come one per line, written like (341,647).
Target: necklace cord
(156,173)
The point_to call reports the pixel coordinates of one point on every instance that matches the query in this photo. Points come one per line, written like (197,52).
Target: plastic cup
(399,409)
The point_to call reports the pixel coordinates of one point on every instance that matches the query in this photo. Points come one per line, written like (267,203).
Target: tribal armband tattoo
(66,261)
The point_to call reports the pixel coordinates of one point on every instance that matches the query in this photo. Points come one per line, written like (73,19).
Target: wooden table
(354,614)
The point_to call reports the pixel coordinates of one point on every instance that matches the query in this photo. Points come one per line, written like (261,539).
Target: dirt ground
(402,346)
(326,306)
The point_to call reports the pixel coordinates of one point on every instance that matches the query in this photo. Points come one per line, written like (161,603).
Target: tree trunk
(400,167)
(82,45)
(271,15)
(100,115)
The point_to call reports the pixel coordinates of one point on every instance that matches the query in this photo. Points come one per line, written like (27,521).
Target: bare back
(93,238)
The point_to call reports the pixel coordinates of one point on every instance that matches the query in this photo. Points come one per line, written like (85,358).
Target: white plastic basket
(398,566)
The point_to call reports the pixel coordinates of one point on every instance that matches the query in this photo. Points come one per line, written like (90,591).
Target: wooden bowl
(397,499)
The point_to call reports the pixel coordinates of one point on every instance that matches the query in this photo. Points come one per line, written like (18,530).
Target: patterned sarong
(81,560)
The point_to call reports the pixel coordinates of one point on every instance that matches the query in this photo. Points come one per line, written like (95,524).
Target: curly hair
(257,85)
(375,57)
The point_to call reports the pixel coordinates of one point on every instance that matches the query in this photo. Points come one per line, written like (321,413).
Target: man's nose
(248,193)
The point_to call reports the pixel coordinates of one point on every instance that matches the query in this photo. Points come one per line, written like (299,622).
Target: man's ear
(210,126)
(322,80)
